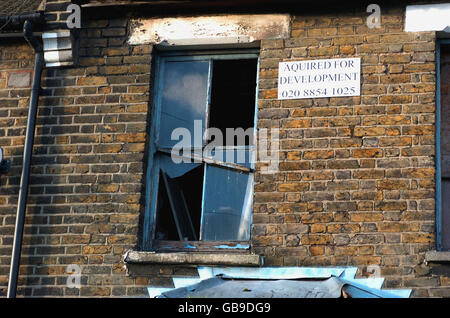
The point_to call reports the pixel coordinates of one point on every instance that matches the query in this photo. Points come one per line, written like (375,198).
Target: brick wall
(356,179)
(56,14)
(92,170)
(16,66)
(87,169)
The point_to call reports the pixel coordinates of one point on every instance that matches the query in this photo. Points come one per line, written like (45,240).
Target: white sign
(319,78)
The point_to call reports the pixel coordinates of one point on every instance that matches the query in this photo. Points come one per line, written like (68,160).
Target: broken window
(203,148)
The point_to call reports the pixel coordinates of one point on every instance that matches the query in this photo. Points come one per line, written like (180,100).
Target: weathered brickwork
(16,57)
(355,185)
(56,14)
(87,169)
(356,177)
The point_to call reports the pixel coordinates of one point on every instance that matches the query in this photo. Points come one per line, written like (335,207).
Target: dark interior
(191,184)
(233,96)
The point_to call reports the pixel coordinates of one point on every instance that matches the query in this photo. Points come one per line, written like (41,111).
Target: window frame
(149,243)
(439,43)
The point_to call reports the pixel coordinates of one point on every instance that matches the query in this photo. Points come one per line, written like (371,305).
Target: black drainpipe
(28,149)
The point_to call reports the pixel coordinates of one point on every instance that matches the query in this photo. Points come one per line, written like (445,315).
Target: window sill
(193,258)
(437,256)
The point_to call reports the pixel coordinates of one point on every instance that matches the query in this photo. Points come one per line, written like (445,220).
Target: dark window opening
(445,145)
(233,96)
(173,194)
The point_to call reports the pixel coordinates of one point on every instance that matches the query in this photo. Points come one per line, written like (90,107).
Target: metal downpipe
(28,149)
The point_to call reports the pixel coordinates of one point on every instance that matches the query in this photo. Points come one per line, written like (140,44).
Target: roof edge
(15,22)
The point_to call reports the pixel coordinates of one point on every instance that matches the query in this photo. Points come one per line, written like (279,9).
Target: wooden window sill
(227,247)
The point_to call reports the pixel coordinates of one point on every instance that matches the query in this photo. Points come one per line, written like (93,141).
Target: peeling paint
(241,28)
(237,246)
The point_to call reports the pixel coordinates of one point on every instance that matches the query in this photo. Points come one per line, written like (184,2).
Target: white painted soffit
(208,29)
(429,17)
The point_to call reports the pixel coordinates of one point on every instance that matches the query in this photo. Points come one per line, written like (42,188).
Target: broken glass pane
(183,101)
(172,169)
(227,205)
(180,209)
(179,200)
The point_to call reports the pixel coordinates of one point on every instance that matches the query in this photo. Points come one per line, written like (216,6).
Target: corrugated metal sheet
(219,287)
(277,282)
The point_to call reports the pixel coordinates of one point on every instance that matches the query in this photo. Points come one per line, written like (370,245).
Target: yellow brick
(97,249)
(368,153)
(318,154)
(418,238)
(297,123)
(317,239)
(316,250)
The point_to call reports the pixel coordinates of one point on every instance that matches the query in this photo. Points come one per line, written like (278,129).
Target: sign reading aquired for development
(319,78)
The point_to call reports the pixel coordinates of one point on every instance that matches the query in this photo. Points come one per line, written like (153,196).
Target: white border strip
(430,17)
